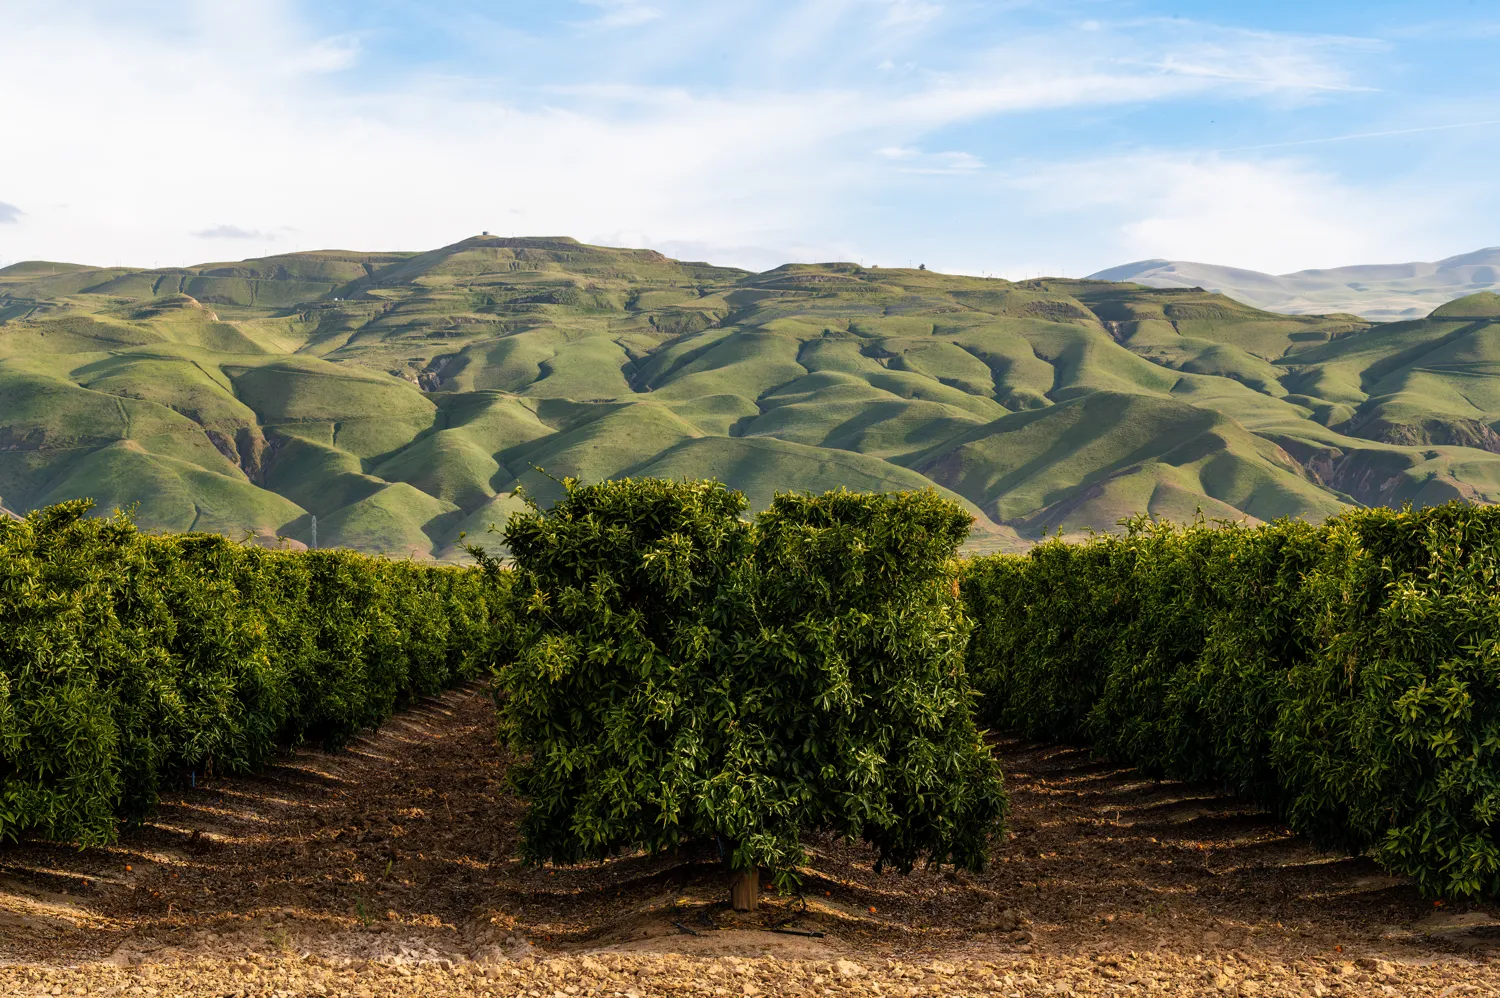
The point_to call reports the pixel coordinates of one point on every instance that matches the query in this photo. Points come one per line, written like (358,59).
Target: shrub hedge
(612,700)
(672,672)
(131,659)
(688,676)
(854,705)
(1346,675)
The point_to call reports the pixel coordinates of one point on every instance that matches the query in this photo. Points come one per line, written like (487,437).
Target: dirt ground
(387,869)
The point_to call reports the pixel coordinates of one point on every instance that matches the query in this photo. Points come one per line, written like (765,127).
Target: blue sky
(1007,138)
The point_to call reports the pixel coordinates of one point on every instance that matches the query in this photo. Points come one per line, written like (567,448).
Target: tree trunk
(744,890)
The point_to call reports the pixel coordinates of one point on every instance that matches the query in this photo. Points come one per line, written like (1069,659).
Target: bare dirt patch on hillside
(388,868)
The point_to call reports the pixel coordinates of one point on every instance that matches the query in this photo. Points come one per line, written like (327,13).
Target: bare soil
(389,869)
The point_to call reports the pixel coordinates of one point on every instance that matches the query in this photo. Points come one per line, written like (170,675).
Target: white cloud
(622,13)
(900,12)
(9,214)
(1260,60)
(216,120)
(327,55)
(1270,215)
(912,160)
(1110,66)
(232,232)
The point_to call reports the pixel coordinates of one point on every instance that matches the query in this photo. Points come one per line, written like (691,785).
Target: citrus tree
(131,662)
(688,676)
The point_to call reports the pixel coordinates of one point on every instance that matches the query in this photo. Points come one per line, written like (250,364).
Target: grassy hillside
(402,398)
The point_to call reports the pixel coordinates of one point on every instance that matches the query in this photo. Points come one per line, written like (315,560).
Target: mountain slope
(1381,292)
(403,398)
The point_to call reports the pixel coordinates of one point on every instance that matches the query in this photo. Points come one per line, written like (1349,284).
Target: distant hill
(401,398)
(1382,292)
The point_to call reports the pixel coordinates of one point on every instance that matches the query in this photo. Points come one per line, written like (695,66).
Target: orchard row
(672,672)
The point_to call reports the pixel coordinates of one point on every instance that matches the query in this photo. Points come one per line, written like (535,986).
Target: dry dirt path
(387,869)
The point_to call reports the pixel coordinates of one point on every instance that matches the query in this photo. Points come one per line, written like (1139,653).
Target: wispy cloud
(1450,31)
(326,55)
(9,214)
(1273,61)
(1269,215)
(912,160)
(231,232)
(621,13)
(745,128)
(1115,65)
(900,12)
(1385,133)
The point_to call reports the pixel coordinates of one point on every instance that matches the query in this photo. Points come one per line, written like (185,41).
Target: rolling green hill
(401,398)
